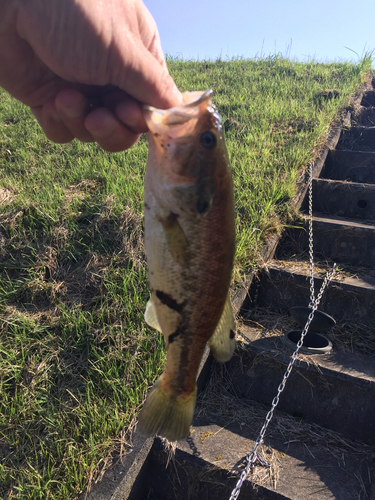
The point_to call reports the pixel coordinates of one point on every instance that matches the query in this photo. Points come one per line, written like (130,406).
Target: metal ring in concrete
(313,343)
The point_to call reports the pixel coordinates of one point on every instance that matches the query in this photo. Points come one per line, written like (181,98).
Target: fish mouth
(195,103)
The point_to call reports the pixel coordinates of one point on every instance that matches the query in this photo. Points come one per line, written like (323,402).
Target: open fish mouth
(195,103)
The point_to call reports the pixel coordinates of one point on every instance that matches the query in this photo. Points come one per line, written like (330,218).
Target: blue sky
(301,30)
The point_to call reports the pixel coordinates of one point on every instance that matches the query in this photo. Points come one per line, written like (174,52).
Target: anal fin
(223,342)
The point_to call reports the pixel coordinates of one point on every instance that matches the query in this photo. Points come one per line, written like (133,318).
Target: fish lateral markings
(190,245)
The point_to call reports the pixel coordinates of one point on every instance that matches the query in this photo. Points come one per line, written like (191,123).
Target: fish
(189,223)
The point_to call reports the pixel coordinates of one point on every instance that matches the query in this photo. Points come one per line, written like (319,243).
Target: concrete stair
(331,390)
(358,138)
(353,166)
(342,240)
(355,200)
(335,390)
(307,461)
(350,296)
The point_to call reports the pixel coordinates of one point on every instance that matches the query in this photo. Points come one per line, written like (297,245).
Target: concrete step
(354,166)
(357,139)
(368,99)
(350,297)
(345,199)
(335,390)
(366,117)
(345,241)
(307,461)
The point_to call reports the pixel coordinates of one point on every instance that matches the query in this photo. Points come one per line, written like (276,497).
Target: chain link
(254,457)
(311,241)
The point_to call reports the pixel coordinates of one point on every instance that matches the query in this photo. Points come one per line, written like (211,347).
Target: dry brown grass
(349,336)
(6,196)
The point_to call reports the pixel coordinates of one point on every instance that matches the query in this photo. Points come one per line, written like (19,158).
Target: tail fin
(166,416)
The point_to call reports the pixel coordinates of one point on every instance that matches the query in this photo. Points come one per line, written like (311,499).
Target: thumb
(146,79)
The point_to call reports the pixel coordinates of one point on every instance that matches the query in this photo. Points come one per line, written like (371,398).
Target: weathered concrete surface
(353,166)
(351,298)
(345,241)
(120,477)
(335,390)
(367,117)
(357,139)
(206,466)
(344,199)
(337,239)
(368,99)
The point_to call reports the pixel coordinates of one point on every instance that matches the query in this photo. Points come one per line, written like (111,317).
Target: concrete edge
(119,478)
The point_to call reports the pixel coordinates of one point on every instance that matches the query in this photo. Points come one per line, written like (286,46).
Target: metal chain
(254,457)
(311,241)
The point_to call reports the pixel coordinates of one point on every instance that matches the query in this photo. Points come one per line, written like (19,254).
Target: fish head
(187,155)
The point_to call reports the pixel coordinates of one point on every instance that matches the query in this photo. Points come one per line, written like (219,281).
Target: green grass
(76,357)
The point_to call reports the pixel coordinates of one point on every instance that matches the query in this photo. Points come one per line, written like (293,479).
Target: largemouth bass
(190,245)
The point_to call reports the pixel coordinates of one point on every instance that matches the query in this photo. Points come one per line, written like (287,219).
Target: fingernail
(100,131)
(177,96)
(75,111)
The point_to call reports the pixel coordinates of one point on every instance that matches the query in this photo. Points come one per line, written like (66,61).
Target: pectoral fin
(176,239)
(150,316)
(222,343)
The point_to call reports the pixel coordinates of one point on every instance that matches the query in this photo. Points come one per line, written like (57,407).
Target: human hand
(84,67)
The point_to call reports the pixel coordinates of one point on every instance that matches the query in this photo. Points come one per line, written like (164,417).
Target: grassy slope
(75,355)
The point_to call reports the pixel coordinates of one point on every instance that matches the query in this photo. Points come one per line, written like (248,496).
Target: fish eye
(208,140)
